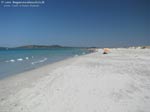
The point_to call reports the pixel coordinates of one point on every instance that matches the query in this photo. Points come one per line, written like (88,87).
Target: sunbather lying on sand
(106,50)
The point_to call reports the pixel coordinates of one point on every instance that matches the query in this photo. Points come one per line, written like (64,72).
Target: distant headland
(40,47)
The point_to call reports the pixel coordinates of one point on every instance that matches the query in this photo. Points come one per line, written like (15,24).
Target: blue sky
(101,23)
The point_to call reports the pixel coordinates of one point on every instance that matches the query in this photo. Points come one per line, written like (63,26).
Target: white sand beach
(114,82)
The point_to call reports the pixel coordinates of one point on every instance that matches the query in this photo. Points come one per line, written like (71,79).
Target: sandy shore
(115,82)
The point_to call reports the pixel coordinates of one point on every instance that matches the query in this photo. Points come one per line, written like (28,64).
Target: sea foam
(27,58)
(12,60)
(39,61)
(19,59)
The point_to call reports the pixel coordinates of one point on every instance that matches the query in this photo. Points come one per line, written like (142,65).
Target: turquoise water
(18,60)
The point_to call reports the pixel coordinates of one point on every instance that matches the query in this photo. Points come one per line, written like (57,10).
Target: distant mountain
(38,47)
(41,47)
(3,48)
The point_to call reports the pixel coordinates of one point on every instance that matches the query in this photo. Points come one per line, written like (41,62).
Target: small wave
(39,61)
(83,53)
(76,55)
(12,60)
(19,59)
(27,58)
